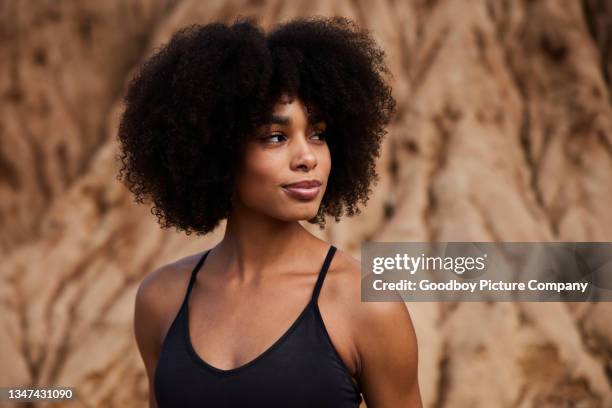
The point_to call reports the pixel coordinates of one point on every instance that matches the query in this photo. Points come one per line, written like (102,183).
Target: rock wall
(503,133)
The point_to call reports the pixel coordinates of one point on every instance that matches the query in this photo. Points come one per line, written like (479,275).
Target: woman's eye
(274,135)
(321,135)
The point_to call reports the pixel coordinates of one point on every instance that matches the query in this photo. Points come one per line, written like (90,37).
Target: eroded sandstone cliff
(504,132)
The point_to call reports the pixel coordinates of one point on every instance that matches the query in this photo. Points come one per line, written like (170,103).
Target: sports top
(301,369)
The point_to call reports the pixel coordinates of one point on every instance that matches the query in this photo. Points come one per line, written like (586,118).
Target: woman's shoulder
(345,285)
(172,273)
(371,323)
(162,290)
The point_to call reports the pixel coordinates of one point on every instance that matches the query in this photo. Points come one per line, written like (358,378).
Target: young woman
(263,130)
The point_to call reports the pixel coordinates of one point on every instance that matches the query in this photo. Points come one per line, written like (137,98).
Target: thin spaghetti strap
(322,273)
(194,273)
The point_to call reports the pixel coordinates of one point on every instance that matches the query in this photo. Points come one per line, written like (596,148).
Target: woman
(263,130)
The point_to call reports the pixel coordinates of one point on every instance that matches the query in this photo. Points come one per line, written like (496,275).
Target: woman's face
(290,149)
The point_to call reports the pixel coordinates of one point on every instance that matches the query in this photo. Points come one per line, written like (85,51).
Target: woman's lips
(302,193)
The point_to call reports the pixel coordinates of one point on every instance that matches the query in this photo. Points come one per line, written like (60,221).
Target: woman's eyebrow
(286,120)
(280,120)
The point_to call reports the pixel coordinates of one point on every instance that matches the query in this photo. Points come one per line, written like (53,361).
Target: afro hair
(192,106)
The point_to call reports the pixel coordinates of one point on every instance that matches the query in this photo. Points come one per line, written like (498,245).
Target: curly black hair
(191,107)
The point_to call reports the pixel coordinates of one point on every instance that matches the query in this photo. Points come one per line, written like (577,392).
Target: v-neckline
(249,363)
(199,360)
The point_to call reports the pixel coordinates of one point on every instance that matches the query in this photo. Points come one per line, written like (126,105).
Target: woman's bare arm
(146,327)
(388,354)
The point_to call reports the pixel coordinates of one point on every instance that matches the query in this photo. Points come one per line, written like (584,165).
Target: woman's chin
(300,215)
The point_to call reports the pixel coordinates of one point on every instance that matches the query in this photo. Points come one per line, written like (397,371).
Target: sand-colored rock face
(504,132)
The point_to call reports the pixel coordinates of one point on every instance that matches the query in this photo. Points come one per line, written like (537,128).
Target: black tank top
(301,369)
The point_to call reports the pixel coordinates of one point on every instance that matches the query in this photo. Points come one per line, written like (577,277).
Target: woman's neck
(254,246)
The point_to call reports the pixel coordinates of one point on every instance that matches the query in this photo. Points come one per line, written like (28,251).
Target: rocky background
(503,133)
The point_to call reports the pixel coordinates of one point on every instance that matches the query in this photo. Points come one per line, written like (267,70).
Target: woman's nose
(302,153)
